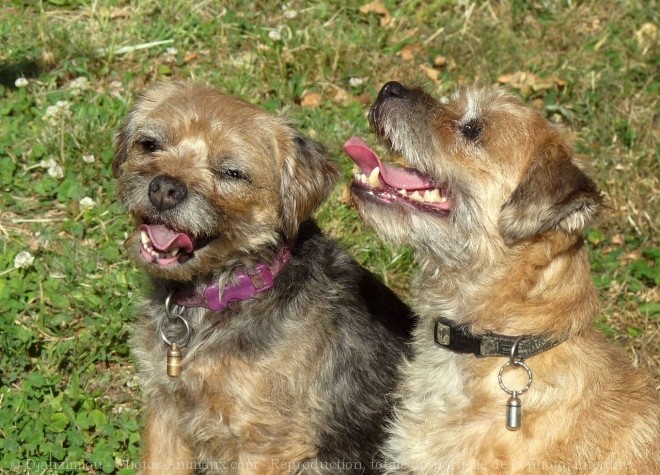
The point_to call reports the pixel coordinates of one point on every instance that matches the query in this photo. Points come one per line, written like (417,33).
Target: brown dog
(280,350)
(495,206)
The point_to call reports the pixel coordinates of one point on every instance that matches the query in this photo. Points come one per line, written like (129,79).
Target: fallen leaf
(618,239)
(47,57)
(34,245)
(528,82)
(190,57)
(310,100)
(378,8)
(631,256)
(340,96)
(364,98)
(646,35)
(408,52)
(430,72)
(440,61)
(123,12)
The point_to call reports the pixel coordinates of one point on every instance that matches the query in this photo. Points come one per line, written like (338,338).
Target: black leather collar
(451,336)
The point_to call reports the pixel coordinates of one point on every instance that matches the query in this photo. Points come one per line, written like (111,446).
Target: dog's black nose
(166,192)
(392,89)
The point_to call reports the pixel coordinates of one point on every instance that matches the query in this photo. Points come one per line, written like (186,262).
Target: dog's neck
(236,283)
(541,288)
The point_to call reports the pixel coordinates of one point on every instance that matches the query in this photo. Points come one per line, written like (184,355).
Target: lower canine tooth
(144,237)
(174,252)
(373,178)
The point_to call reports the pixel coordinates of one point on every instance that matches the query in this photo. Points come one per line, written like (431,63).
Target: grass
(69,400)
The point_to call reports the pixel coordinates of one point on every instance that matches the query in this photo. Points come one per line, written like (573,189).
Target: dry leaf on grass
(440,61)
(340,96)
(431,73)
(364,98)
(378,8)
(527,82)
(190,57)
(123,12)
(310,100)
(647,35)
(408,52)
(538,104)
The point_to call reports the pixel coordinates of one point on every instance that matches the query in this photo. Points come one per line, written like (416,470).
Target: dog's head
(208,178)
(486,173)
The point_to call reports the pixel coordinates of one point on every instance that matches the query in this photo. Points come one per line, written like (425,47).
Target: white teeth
(442,199)
(361,178)
(174,252)
(403,192)
(373,178)
(432,196)
(144,237)
(416,196)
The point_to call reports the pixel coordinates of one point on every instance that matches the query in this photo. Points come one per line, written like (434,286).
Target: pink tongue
(399,178)
(165,239)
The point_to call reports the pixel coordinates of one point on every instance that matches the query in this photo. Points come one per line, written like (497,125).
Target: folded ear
(553,194)
(307,179)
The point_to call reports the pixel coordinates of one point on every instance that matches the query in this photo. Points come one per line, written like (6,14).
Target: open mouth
(390,184)
(164,246)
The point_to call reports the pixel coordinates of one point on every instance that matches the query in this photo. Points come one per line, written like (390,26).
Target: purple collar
(246,286)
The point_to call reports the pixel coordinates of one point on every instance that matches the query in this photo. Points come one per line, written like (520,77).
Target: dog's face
(209,178)
(487,174)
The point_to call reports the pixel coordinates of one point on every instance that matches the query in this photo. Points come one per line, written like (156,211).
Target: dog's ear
(307,179)
(121,144)
(553,194)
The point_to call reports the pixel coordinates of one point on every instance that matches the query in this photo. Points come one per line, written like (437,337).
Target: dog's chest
(227,404)
(440,413)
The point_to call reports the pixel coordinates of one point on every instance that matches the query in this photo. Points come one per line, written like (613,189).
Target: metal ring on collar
(171,315)
(520,364)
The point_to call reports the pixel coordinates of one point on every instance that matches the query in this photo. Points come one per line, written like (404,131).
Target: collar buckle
(448,336)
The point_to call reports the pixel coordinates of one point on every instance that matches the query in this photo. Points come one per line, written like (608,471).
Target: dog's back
(367,335)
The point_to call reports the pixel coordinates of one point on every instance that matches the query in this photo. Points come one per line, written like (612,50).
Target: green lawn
(69,397)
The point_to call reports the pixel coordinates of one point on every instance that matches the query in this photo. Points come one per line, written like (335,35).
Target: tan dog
(494,207)
(263,347)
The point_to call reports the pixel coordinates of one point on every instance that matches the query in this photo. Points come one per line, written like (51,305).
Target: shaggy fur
(294,380)
(503,253)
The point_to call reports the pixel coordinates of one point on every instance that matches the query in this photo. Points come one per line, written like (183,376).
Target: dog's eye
(472,129)
(235,174)
(150,145)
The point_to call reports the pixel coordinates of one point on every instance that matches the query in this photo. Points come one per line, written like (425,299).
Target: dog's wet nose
(166,192)
(392,89)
